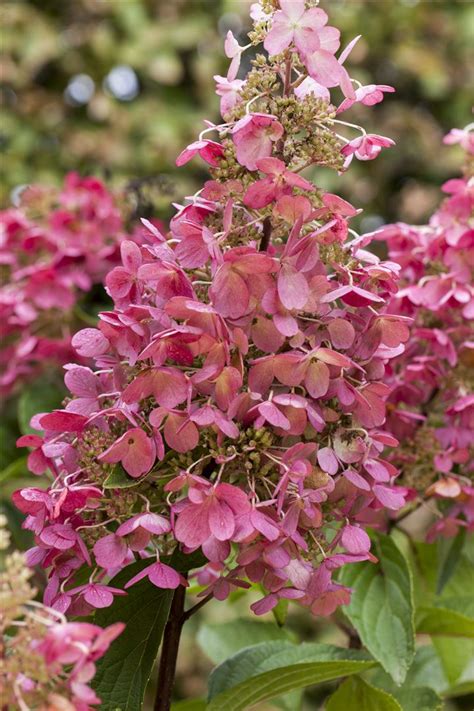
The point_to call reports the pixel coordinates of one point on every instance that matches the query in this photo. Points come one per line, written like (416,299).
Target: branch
(169,651)
(192,610)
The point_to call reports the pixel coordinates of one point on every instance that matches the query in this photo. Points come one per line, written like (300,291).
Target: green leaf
(282,680)
(8,437)
(425,671)
(15,469)
(189,705)
(119,479)
(42,395)
(277,667)
(355,693)
(451,552)
(220,641)
(382,608)
(124,671)
(418,699)
(441,620)
(457,658)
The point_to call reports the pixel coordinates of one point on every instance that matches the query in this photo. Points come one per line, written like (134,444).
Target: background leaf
(220,641)
(450,551)
(355,693)
(281,680)
(457,658)
(41,395)
(418,699)
(248,669)
(382,608)
(446,621)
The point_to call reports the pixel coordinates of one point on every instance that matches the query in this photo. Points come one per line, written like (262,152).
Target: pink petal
(90,342)
(391,498)
(293,288)
(317,379)
(221,520)
(131,256)
(110,551)
(355,539)
(192,527)
(342,333)
(98,597)
(273,415)
(163,576)
(327,460)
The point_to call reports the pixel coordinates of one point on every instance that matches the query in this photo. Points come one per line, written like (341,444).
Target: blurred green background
(117,87)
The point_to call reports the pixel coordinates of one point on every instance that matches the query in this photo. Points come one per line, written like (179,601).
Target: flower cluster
(431,407)
(238,400)
(53,247)
(46,662)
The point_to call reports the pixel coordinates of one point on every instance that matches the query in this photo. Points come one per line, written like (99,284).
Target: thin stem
(169,651)
(287,84)
(192,610)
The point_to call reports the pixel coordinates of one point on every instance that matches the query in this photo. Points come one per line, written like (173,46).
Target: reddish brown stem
(267,232)
(169,651)
(170,647)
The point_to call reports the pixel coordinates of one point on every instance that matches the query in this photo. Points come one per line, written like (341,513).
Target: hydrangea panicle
(238,399)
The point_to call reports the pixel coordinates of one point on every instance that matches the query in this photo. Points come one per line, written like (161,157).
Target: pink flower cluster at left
(46,661)
(53,247)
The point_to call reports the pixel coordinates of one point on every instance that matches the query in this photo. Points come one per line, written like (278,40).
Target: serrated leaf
(418,699)
(382,608)
(220,641)
(282,680)
(425,671)
(124,671)
(266,656)
(357,694)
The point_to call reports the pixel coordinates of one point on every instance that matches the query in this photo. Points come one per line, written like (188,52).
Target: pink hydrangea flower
(365,147)
(294,24)
(134,449)
(254,136)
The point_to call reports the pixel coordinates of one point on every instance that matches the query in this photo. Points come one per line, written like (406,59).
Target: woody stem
(169,651)
(170,647)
